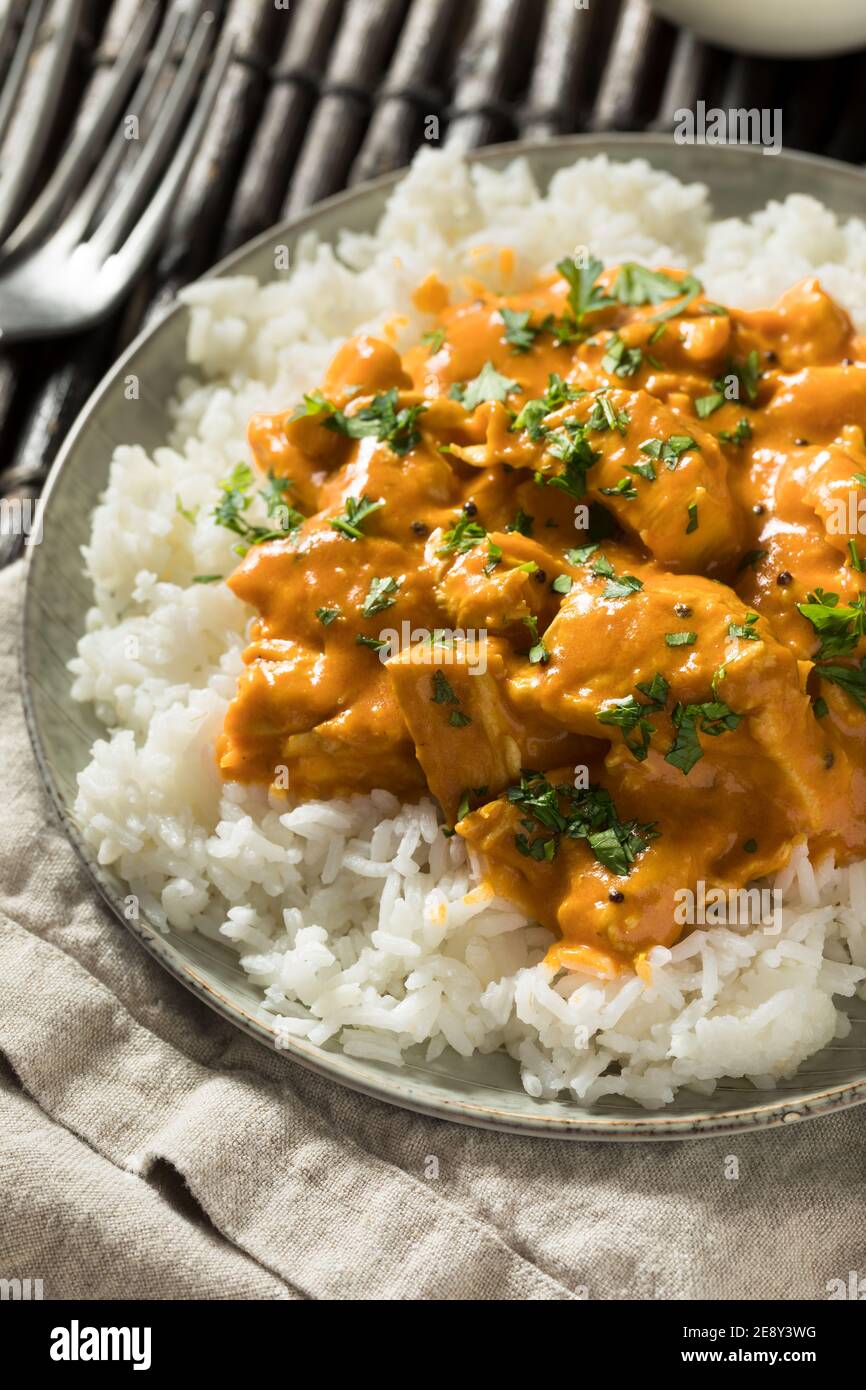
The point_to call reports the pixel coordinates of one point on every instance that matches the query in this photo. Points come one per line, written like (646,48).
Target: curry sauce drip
(574,565)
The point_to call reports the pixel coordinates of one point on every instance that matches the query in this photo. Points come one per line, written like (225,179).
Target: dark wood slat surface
(325,93)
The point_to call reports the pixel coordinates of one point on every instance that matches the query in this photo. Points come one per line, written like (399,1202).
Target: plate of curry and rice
(446,644)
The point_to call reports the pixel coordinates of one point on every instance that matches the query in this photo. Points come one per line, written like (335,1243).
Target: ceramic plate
(477,1090)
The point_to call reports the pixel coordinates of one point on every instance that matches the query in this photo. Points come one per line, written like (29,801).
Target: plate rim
(337,1066)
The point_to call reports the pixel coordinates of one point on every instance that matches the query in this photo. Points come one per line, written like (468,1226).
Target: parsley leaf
(553,812)
(635,284)
(488,385)
(668,451)
(356,510)
(621,360)
(462,536)
(713,718)
(584,295)
(518,332)
(851,679)
(839,625)
(631,714)
(383,421)
(327,615)
(737,436)
(382,594)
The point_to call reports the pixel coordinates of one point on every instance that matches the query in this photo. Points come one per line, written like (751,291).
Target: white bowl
(776,28)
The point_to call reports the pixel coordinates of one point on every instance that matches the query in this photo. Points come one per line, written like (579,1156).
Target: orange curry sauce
(603,516)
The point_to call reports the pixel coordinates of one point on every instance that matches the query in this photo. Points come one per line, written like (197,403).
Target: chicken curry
(584,563)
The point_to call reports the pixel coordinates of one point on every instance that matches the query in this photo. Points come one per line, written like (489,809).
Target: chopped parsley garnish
(558,393)
(737,436)
(188,513)
(745,631)
(820,708)
(494,555)
(206,578)
(382,594)
(751,559)
(443,694)
(356,511)
(571,446)
(625,488)
(235,499)
(538,653)
(562,584)
(314,403)
(713,718)
(705,405)
(747,373)
(327,615)
(636,285)
(692,524)
(463,535)
(856,557)
(488,385)
(643,469)
(681,639)
(522,523)
(470,794)
(839,625)
(851,679)
(374,643)
(668,451)
(617,586)
(433,339)
(519,334)
(584,295)
(383,421)
(581,554)
(857,478)
(621,360)
(631,714)
(689,288)
(553,812)
(604,417)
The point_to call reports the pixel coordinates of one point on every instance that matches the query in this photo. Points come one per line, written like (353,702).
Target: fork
(57,278)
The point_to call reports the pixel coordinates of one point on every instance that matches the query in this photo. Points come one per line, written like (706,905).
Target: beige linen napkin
(148,1149)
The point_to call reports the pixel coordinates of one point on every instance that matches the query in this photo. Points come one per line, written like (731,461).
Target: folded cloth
(148,1149)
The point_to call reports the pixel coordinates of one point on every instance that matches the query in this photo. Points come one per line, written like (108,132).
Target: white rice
(358,920)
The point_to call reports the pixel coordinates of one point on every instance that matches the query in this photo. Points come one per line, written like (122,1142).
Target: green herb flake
(326,616)
(355,512)
(382,420)
(668,451)
(712,718)
(434,340)
(751,560)
(737,436)
(553,812)
(681,639)
(488,385)
(519,333)
(620,360)
(382,594)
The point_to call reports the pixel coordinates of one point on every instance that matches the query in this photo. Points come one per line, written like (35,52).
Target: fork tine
(14,183)
(84,149)
(142,239)
(18,66)
(109,233)
(75,224)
